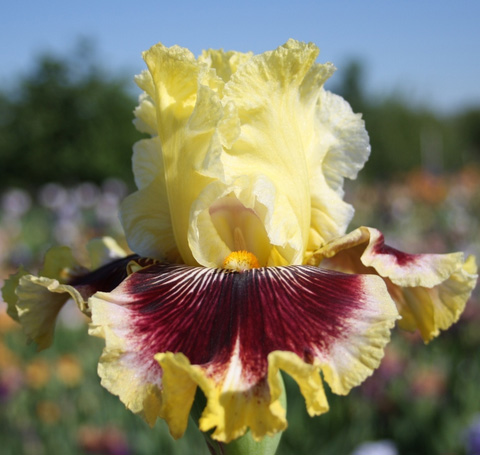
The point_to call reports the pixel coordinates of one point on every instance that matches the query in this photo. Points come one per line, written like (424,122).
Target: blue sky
(428,50)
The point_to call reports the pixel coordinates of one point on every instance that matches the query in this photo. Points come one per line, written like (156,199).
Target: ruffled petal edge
(430,290)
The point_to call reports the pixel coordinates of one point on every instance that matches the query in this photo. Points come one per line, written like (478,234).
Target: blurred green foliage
(66,121)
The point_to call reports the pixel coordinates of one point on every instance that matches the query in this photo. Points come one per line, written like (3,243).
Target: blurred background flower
(107,441)
(473,437)
(376,448)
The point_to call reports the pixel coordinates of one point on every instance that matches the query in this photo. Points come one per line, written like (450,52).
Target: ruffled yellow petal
(224,63)
(147,222)
(124,376)
(35,301)
(147,163)
(145,82)
(39,301)
(178,390)
(276,126)
(189,123)
(231,407)
(230,117)
(338,150)
(29,300)
(296,134)
(145,214)
(145,115)
(354,358)
(434,309)
(430,290)
(305,375)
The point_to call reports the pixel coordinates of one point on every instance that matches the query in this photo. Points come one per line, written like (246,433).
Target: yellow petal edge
(40,299)
(430,291)
(35,301)
(230,413)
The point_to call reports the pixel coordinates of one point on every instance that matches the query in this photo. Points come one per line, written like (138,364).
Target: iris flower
(240,213)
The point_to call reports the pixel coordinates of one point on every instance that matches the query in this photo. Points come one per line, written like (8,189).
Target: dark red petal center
(208,313)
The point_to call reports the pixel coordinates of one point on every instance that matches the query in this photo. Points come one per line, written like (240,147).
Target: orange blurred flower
(69,371)
(427,187)
(7,357)
(37,373)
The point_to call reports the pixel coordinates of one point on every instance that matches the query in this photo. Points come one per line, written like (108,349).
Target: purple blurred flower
(16,202)
(53,196)
(376,448)
(473,438)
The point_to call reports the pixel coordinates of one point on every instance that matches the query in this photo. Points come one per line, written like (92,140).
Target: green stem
(244,445)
